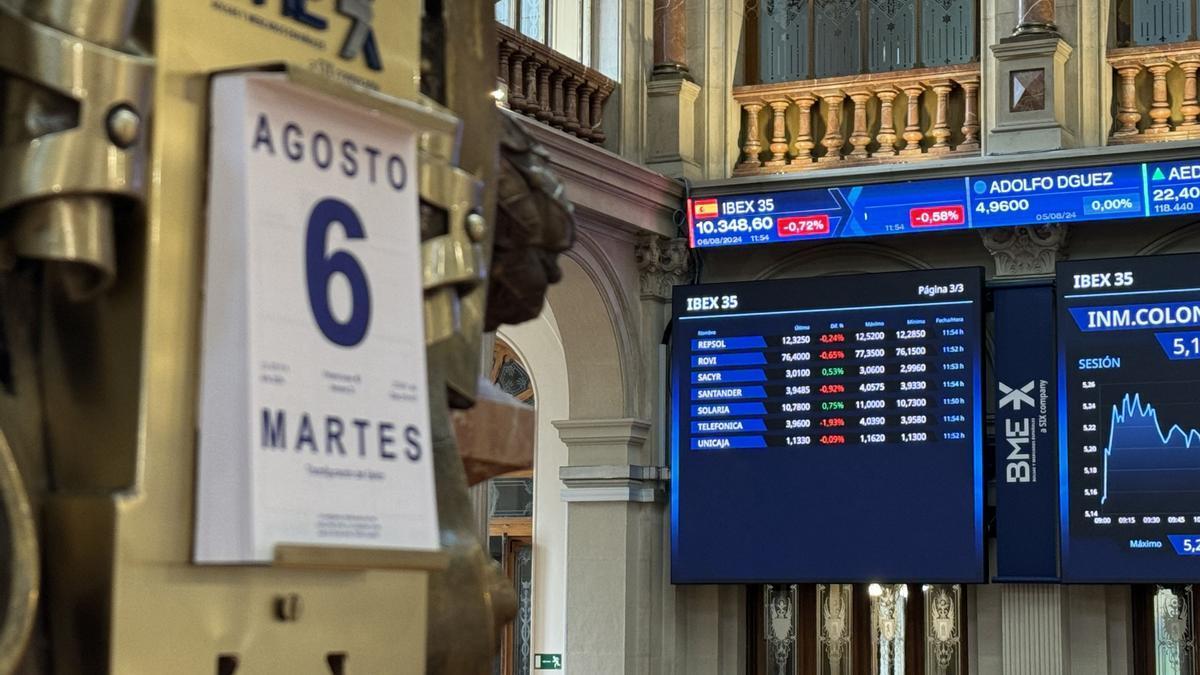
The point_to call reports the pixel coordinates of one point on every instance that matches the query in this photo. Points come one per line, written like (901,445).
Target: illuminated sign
(811,417)
(1129,360)
(1026,432)
(1060,196)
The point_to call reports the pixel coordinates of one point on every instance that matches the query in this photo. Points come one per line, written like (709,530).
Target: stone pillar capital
(1025,250)
(662,263)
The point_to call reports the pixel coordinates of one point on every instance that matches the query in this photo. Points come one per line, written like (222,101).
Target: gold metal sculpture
(72,157)
(100,230)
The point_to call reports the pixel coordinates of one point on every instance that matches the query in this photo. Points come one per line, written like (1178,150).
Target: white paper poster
(314,414)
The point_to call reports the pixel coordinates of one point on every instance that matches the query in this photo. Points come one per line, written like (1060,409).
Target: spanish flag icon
(704,208)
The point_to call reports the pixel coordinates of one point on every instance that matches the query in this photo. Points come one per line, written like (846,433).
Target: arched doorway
(510,521)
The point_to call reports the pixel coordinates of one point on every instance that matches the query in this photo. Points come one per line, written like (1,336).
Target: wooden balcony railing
(877,118)
(543,84)
(1155,92)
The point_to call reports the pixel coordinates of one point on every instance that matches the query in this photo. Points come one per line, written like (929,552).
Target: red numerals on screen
(937,216)
(803,226)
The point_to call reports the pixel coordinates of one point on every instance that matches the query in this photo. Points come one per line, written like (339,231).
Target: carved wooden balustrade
(1155,92)
(877,118)
(543,84)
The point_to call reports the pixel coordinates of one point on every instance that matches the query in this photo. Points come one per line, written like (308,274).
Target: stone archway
(595,323)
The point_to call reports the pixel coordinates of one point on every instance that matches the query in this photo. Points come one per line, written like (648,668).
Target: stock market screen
(828,429)
(1082,194)
(1129,351)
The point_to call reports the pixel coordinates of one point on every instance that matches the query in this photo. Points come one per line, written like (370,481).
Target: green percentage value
(833,405)
(833,370)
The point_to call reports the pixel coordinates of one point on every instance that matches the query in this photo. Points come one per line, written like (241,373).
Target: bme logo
(1018,433)
(360,37)
(1014,398)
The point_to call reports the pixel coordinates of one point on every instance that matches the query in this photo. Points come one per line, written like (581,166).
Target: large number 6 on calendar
(319,269)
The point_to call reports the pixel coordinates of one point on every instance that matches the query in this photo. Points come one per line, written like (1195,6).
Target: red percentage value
(803,226)
(937,216)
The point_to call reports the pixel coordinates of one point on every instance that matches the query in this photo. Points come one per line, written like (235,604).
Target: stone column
(1032,633)
(1051,629)
(670,38)
(712,624)
(671,97)
(1028,622)
(614,485)
(612,499)
(615,488)
(662,264)
(1035,17)
(1027,625)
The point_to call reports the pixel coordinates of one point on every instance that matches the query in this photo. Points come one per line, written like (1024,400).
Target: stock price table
(812,419)
(1130,419)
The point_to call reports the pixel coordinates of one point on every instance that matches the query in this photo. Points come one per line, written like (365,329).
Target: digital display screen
(828,429)
(1129,419)
(1118,191)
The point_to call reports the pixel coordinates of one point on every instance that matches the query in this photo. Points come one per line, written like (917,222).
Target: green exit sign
(549,661)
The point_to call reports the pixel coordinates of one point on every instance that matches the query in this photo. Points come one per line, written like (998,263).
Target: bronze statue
(534,224)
